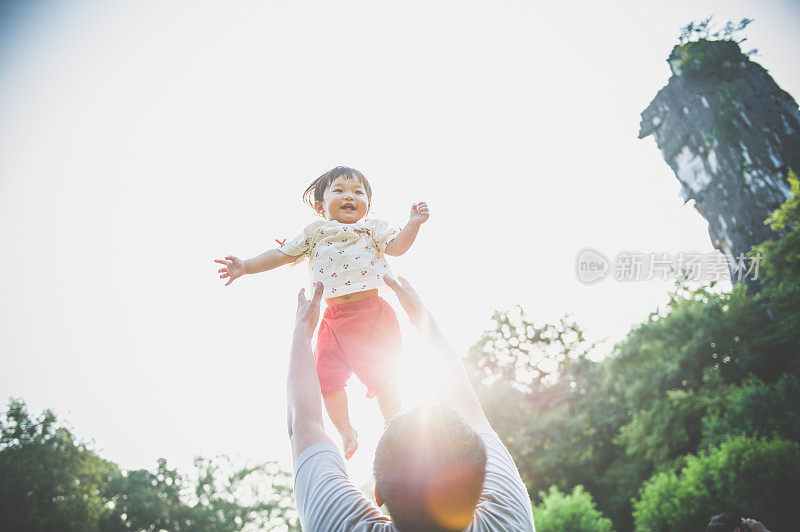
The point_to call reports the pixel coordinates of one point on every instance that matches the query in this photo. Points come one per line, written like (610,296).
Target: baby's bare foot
(349,442)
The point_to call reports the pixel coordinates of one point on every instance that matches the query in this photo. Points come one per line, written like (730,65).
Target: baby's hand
(419,213)
(234,267)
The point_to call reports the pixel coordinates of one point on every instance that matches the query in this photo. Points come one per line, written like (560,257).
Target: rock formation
(730,134)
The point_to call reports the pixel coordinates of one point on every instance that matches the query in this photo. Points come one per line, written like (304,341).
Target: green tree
(667,370)
(573,512)
(227,497)
(755,409)
(152,501)
(749,476)
(706,30)
(544,395)
(51,481)
(780,292)
(707,365)
(48,480)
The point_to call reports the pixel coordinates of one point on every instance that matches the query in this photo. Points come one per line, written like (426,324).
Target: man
(437,469)
(728,522)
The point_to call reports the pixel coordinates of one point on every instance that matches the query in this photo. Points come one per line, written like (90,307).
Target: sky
(141,140)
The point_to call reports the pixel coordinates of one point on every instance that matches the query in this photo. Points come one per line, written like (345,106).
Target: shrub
(745,475)
(574,512)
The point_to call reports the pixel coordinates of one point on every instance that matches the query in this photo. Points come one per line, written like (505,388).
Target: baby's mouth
(348,207)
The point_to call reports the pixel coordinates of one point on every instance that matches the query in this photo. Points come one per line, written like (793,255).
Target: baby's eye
(359,191)
(337,190)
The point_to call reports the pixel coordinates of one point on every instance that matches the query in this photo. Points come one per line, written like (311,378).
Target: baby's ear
(318,206)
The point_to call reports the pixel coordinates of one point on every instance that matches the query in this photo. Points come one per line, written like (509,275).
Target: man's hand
(308,311)
(408,298)
(233,268)
(754,525)
(419,213)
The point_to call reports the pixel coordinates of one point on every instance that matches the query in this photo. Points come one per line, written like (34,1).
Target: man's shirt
(328,501)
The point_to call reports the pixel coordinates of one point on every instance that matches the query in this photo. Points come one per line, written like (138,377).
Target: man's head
(429,469)
(725,522)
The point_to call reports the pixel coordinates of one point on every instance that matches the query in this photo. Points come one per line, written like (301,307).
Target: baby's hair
(316,190)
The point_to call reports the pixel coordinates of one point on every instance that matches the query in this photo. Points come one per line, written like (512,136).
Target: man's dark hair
(429,470)
(316,190)
(725,522)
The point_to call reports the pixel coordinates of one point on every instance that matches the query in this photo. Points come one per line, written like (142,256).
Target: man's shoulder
(505,503)
(311,451)
(326,497)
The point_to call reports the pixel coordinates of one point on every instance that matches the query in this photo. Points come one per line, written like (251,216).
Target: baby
(359,332)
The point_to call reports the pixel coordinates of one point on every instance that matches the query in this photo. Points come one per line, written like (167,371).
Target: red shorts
(362,337)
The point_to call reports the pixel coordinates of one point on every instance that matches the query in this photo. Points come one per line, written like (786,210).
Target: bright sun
(421,374)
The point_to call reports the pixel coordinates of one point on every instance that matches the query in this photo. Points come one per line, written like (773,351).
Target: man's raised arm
(457,392)
(304,398)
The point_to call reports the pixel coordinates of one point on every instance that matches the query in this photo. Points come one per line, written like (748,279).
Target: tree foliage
(704,50)
(745,475)
(706,30)
(781,271)
(707,366)
(50,481)
(755,408)
(573,512)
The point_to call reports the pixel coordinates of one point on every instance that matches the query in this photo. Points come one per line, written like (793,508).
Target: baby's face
(345,201)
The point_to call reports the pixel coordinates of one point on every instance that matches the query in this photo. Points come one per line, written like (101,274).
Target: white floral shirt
(346,258)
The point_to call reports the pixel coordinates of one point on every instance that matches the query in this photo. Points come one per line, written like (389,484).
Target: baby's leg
(336,405)
(389,402)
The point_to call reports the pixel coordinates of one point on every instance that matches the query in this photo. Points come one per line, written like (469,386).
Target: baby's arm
(406,237)
(235,267)
(267,261)
(288,253)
